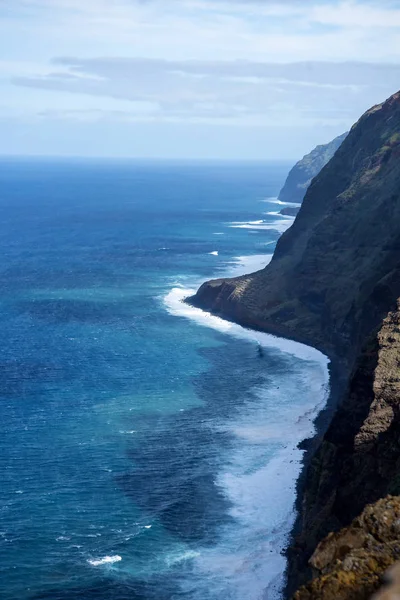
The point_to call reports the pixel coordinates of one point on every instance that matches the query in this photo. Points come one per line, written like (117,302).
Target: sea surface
(148,451)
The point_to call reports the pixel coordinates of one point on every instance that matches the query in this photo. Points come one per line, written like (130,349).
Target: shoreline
(176,302)
(337,380)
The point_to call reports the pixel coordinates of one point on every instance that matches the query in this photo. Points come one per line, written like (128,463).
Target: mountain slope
(306,169)
(335,272)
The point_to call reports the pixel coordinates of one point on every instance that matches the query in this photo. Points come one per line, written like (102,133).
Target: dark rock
(336,272)
(300,177)
(290,211)
(358,461)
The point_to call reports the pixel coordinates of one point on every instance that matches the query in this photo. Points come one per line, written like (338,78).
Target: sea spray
(260,486)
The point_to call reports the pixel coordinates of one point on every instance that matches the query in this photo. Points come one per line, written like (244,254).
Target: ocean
(148,449)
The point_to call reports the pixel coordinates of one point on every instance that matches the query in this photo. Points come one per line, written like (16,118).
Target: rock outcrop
(290,211)
(301,175)
(352,564)
(358,460)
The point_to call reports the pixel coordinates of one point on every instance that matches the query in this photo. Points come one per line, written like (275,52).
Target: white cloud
(241,92)
(283,32)
(238,64)
(356,15)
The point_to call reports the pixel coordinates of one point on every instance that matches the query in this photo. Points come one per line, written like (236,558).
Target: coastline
(338,378)
(317,419)
(337,382)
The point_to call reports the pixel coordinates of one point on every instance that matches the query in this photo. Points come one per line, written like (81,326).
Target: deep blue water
(147,451)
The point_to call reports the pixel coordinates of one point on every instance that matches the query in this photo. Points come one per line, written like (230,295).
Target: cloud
(256,30)
(241,92)
(192,65)
(357,15)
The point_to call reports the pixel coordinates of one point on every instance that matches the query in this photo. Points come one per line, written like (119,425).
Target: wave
(248,561)
(241,265)
(279,215)
(106,560)
(280,225)
(249,557)
(178,557)
(259,222)
(174,302)
(280,202)
(215,253)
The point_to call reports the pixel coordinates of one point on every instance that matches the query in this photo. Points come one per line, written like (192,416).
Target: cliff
(353,563)
(334,283)
(358,460)
(335,272)
(306,169)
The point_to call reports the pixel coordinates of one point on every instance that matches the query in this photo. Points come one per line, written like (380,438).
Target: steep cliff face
(306,169)
(353,563)
(358,460)
(335,272)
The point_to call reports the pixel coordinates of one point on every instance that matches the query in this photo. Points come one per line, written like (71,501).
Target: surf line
(289,460)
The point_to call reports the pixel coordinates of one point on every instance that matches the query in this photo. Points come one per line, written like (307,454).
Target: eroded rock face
(290,211)
(358,460)
(351,564)
(336,272)
(300,177)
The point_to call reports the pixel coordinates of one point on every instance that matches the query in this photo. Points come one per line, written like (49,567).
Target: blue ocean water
(147,450)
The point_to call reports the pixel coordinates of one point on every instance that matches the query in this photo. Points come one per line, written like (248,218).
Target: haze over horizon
(192,78)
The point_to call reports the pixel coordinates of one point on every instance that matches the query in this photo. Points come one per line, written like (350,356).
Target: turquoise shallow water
(146,451)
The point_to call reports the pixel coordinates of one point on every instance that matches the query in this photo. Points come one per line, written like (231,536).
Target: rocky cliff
(334,282)
(358,460)
(306,169)
(353,563)
(335,272)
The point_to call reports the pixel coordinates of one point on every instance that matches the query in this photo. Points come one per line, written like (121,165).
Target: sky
(191,79)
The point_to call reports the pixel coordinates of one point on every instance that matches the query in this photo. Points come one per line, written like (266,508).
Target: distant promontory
(304,171)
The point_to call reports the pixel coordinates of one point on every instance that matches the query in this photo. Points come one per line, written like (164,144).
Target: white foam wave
(262,467)
(264,514)
(280,224)
(106,560)
(259,479)
(179,557)
(241,265)
(215,253)
(277,201)
(259,222)
(279,215)
(174,302)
